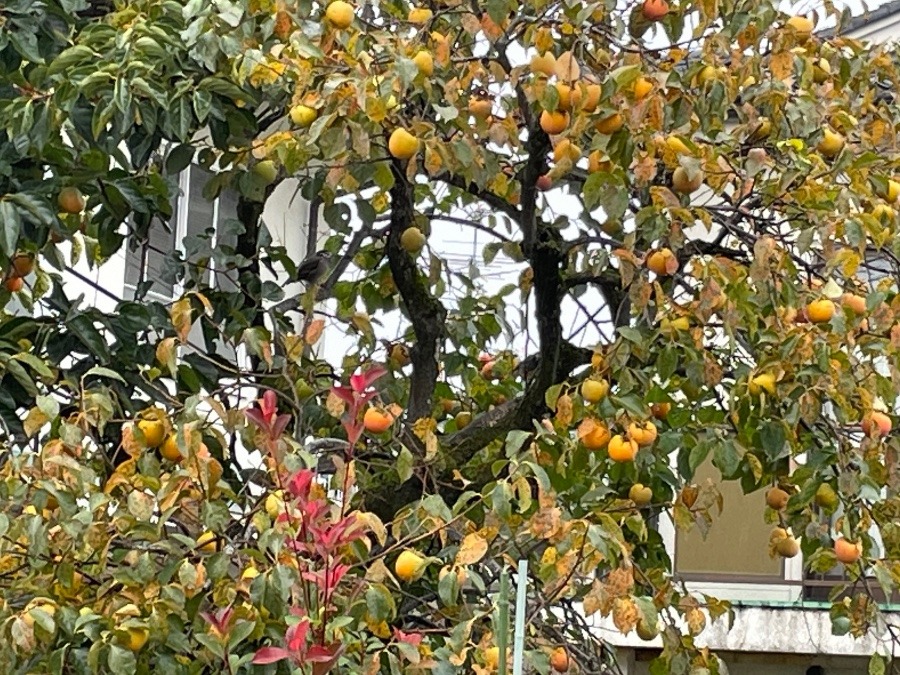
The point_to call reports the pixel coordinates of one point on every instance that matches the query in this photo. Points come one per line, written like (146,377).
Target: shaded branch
(426,313)
(488,198)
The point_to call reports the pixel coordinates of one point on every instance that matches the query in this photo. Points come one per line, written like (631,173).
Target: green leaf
(38,209)
(772,439)
(605,190)
(515,441)
(180,158)
(100,371)
(404,464)
(83,328)
(380,603)
(10,226)
(121,661)
(876,665)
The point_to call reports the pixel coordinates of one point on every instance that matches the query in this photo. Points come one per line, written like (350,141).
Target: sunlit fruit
(776,498)
(662,262)
(377,421)
(646,631)
(412,240)
(597,162)
(831,144)
(660,410)
(419,15)
(670,326)
(678,146)
(876,422)
(402,144)
(266,171)
(14,284)
(821,70)
(855,303)
(893,191)
(654,10)
(544,182)
(154,432)
(461,575)
(820,311)
(706,74)
(480,108)
(137,638)
(565,149)
(340,14)
(409,565)
(640,494)
(642,87)
(594,390)
(883,213)
(492,657)
(70,200)
(621,449)
(787,547)
(764,382)
(303,115)
(23,264)
(801,25)
(594,434)
(169,449)
(554,122)
(207,542)
(544,64)
(45,605)
(424,62)
(642,433)
(567,96)
(592,94)
(463,419)
(826,498)
(610,124)
(685,183)
(847,552)
(274,503)
(559,660)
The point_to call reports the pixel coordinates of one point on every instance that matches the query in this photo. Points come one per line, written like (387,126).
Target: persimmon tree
(729,253)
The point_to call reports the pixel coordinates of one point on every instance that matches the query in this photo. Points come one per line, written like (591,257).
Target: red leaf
(295,637)
(270,655)
(362,381)
(343,393)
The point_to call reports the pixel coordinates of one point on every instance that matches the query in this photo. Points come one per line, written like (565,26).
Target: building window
(198,229)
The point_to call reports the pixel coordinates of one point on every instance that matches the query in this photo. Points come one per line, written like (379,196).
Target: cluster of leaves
(732,249)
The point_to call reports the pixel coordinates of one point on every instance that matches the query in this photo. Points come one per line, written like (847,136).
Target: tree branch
(426,313)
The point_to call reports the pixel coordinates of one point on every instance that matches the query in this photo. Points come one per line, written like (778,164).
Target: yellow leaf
(334,405)
(782,65)
(473,548)
(373,523)
(207,306)
(314,331)
(567,69)
(34,420)
(293,347)
(180,314)
(166,353)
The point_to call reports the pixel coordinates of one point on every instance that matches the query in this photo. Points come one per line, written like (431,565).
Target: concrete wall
(763,664)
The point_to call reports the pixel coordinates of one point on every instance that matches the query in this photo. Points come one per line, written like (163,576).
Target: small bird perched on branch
(313,269)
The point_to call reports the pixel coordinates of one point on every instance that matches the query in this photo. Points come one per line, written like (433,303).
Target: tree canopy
(734,259)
